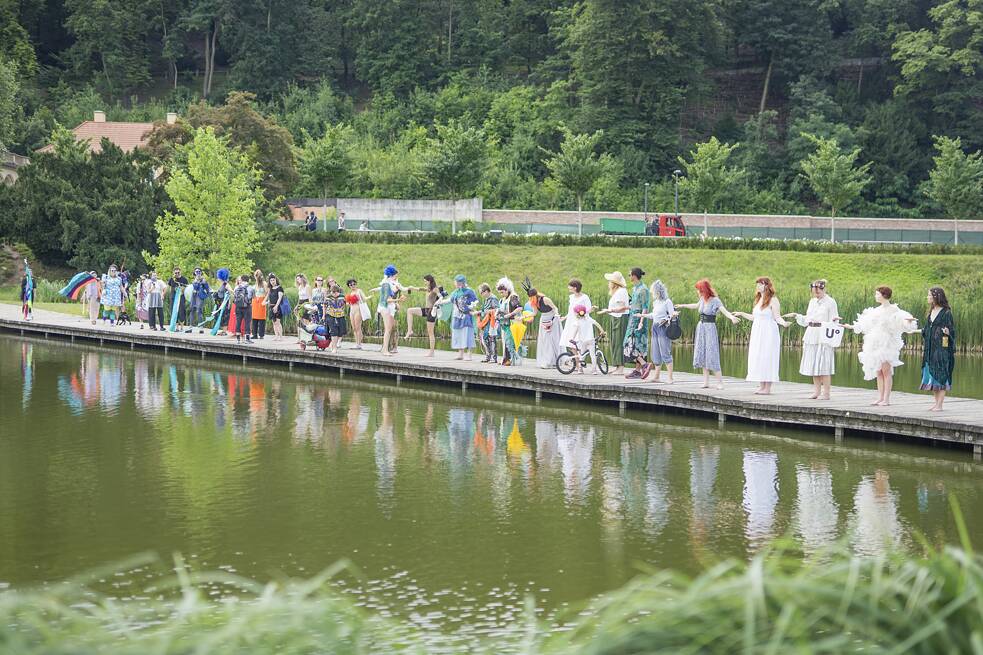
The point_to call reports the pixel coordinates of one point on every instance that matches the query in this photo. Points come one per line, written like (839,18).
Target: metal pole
(675,178)
(646,202)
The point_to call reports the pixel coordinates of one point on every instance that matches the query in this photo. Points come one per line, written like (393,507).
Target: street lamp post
(675,178)
(646,203)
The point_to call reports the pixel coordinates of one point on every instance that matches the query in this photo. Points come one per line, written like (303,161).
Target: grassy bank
(777,603)
(852,276)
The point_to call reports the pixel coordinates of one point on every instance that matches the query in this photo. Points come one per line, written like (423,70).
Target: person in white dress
(882,327)
(818,358)
(764,350)
(617,310)
(570,324)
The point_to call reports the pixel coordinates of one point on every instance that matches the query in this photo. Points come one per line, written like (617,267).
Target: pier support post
(838,434)
(101,341)
(399,379)
(132,345)
(73,336)
(977,451)
(341,372)
(203,354)
(539,397)
(165,349)
(622,406)
(290,366)
(464,387)
(46,335)
(243,359)
(721,418)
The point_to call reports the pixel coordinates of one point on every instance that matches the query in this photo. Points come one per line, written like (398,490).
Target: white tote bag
(831,334)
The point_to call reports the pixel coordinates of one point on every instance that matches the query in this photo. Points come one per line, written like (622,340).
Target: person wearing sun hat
(617,310)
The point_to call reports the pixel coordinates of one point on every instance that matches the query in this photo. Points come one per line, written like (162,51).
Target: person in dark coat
(177,283)
(939,353)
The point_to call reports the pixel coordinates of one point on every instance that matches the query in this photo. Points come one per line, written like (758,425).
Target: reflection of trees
(760,496)
(874,525)
(816,510)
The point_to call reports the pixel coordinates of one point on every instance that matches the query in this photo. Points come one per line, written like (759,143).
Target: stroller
(320,338)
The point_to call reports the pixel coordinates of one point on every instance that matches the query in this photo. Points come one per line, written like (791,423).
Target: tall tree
(456,160)
(633,65)
(87,210)
(325,164)
(576,167)
(269,144)
(9,88)
(15,43)
(791,37)
(833,175)
(709,181)
(956,182)
(397,43)
(217,199)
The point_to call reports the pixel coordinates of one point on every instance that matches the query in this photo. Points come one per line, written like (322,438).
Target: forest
(452,98)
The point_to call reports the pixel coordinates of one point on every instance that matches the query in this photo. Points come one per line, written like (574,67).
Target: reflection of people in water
(27,372)
(703,462)
(816,510)
(760,496)
(657,487)
(874,525)
(385,454)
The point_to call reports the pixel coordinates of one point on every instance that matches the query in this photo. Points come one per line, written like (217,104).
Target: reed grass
(778,602)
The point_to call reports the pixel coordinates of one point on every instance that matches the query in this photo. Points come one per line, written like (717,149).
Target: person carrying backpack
(242,299)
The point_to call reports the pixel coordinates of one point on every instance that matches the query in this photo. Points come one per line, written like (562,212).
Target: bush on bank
(776,603)
(552,239)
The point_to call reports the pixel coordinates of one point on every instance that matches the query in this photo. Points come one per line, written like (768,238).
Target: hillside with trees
(447,98)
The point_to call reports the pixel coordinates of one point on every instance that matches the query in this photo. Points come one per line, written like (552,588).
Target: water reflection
(287,473)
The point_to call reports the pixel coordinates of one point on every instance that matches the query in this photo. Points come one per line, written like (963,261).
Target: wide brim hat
(616,278)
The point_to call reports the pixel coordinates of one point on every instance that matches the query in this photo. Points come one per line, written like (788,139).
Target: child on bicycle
(584,340)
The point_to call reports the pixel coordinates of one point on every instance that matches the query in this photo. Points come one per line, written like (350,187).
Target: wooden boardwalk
(848,411)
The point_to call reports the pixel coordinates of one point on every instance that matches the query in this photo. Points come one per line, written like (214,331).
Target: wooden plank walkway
(849,409)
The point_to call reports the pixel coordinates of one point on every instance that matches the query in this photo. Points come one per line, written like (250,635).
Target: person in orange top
(258,306)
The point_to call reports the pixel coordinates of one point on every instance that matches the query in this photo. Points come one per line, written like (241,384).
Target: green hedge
(710,243)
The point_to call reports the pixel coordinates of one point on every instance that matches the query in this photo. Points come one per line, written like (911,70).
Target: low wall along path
(848,411)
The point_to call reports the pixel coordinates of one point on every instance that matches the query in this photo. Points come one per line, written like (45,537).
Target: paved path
(849,409)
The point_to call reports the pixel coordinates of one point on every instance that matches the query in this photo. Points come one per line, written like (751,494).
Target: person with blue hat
(463,300)
(389,290)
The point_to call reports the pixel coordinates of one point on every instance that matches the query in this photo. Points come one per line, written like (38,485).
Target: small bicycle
(567,362)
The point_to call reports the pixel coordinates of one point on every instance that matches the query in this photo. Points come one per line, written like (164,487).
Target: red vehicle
(666,225)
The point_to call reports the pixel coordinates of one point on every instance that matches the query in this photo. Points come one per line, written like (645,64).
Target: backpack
(241,297)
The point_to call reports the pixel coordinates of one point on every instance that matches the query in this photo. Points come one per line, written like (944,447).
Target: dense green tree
(576,167)
(325,164)
(217,197)
(834,176)
(456,159)
(87,210)
(892,139)
(791,37)
(396,43)
(710,183)
(956,181)
(15,44)
(9,88)
(308,111)
(269,144)
(633,65)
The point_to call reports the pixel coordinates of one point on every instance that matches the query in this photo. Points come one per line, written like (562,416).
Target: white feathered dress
(882,327)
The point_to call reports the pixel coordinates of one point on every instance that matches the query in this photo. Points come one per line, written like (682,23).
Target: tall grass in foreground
(776,603)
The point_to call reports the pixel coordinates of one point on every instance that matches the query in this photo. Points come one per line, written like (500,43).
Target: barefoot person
(706,349)
(818,359)
(388,298)
(765,347)
(938,356)
(882,327)
(358,311)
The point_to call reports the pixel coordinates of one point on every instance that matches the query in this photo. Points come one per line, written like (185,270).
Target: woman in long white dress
(764,350)
(571,327)
(818,359)
(548,346)
(882,327)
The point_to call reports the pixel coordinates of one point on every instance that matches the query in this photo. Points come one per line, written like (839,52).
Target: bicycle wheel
(566,363)
(602,363)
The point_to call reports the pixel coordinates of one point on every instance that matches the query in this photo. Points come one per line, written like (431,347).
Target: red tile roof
(125,135)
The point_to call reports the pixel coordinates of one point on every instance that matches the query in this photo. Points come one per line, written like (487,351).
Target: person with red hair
(706,348)
(765,347)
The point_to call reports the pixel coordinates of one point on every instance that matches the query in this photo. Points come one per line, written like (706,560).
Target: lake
(454,508)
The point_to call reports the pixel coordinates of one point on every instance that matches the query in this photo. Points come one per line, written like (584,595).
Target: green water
(454,508)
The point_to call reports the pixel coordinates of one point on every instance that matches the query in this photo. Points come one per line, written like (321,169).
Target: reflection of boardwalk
(962,422)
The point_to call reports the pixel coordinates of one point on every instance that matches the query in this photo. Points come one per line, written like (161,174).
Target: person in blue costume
(463,301)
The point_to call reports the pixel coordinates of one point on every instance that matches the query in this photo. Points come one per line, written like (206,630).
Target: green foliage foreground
(776,603)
